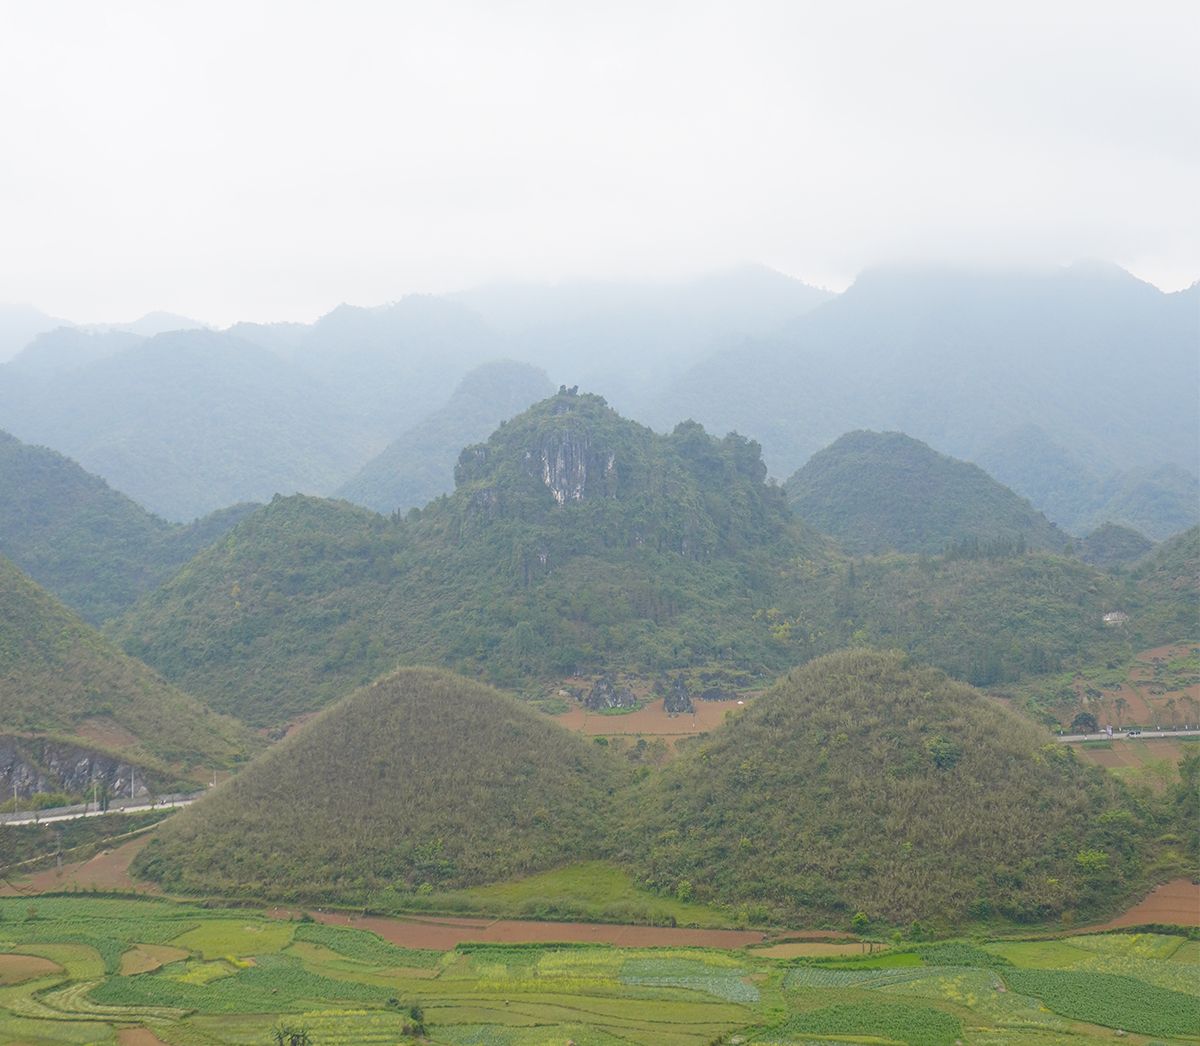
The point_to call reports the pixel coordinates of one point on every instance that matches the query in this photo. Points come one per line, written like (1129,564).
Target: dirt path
(138,1037)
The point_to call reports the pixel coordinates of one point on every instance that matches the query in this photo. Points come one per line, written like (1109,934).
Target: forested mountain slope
(579,542)
(575,540)
(190,421)
(1103,363)
(60,677)
(90,545)
(419,466)
(881,491)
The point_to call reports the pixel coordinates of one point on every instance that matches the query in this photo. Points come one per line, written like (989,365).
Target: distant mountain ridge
(190,421)
(1105,364)
(419,466)
(880,491)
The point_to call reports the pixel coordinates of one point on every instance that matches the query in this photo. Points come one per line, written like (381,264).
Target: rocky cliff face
(42,765)
(608,694)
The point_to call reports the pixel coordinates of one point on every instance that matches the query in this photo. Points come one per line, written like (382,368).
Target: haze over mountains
(1071,386)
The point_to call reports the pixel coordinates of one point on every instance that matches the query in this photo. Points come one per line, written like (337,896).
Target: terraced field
(82,969)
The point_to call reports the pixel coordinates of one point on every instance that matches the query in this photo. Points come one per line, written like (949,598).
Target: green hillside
(863,783)
(419,466)
(1112,544)
(90,545)
(59,676)
(421,778)
(881,491)
(576,540)
(579,542)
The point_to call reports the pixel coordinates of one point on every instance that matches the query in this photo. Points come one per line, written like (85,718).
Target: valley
(593,734)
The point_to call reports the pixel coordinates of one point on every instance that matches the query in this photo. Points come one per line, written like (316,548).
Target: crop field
(83,969)
(1156,688)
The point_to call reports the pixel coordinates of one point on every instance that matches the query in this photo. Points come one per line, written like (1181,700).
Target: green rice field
(210,976)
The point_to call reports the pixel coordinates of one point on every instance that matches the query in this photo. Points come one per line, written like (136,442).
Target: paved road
(50,816)
(1120,735)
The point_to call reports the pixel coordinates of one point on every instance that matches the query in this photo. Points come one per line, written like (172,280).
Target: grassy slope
(422,777)
(862,783)
(56,672)
(881,491)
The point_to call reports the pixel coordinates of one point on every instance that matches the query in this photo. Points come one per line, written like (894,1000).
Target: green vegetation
(858,784)
(891,1022)
(422,780)
(597,891)
(1112,1000)
(884,491)
(659,554)
(1112,545)
(666,553)
(419,466)
(347,986)
(28,844)
(90,545)
(57,675)
(863,783)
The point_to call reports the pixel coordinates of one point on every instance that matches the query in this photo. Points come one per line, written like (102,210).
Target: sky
(267,161)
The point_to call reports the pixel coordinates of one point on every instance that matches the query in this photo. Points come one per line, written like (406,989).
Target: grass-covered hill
(881,491)
(422,777)
(861,782)
(419,465)
(60,677)
(90,545)
(575,540)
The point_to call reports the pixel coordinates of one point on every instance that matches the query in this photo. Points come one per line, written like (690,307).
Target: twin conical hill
(880,491)
(60,677)
(421,777)
(861,782)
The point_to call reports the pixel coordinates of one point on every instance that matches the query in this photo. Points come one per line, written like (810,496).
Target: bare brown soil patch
(444,934)
(107,870)
(1143,698)
(1176,903)
(142,958)
(106,732)
(17,968)
(138,1037)
(648,721)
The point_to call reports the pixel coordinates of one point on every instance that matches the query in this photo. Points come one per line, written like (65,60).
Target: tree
(1085,723)
(1122,706)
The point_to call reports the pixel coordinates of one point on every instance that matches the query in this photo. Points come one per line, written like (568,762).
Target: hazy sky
(268,160)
